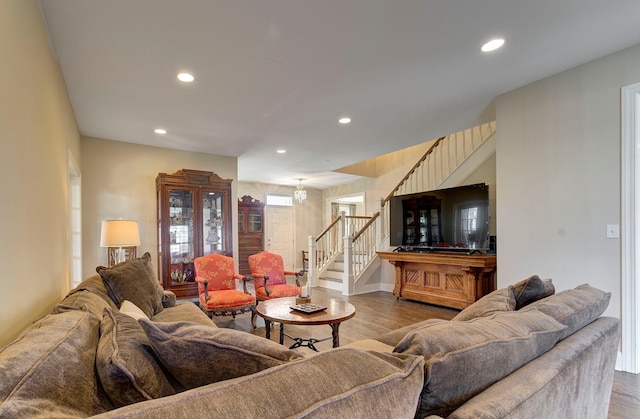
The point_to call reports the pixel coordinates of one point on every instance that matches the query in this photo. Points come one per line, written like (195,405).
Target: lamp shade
(119,233)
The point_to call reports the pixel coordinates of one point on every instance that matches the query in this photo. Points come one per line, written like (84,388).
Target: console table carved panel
(450,280)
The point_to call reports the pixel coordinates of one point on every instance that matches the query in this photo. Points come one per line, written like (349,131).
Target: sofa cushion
(196,355)
(462,358)
(126,365)
(49,371)
(342,382)
(532,289)
(369,345)
(575,308)
(132,280)
(83,300)
(94,285)
(499,300)
(186,311)
(395,336)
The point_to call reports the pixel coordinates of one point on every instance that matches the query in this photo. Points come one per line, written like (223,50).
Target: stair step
(330,279)
(330,273)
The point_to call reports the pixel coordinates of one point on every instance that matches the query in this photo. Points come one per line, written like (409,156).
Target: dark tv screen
(444,218)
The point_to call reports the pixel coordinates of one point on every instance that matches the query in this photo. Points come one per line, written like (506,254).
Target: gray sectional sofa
(118,346)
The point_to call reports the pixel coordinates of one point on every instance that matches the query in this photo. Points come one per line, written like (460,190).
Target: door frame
(629,358)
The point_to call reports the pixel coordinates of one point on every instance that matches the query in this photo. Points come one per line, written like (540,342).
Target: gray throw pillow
(499,300)
(463,358)
(575,308)
(132,280)
(196,355)
(532,289)
(49,371)
(126,365)
(340,383)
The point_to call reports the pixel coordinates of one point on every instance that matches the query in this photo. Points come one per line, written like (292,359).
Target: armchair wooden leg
(253,318)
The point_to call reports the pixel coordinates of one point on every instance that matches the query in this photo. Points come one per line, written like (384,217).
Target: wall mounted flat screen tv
(455,218)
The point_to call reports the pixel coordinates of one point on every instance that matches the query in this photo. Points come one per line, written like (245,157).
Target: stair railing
(328,243)
(444,156)
(359,251)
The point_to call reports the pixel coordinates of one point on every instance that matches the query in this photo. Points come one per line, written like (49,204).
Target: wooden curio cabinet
(194,219)
(422,221)
(250,231)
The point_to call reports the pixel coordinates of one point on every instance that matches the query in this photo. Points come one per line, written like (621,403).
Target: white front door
(280,233)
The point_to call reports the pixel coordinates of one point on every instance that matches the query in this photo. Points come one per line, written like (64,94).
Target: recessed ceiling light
(186,77)
(344,120)
(281,151)
(160,131)
(492,45)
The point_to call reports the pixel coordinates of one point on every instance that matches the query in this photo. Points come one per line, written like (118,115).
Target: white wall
(558,171)
(118,181)
(38,134)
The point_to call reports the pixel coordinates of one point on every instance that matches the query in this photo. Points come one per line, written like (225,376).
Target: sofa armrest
(168,299)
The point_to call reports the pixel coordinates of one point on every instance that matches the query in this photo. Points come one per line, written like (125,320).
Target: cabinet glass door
(255,221)
(212,223)
(181,237)
(240,221)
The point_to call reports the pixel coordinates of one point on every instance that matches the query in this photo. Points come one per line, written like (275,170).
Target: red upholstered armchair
(216,278)
(269,277)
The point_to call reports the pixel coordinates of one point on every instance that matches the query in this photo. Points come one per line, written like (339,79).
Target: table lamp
(120,237)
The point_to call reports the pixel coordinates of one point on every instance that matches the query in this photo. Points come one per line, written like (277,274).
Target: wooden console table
(446,279)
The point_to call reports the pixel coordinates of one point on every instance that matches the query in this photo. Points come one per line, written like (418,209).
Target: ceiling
(273,74)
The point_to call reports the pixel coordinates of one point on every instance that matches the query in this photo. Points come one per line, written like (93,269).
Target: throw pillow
(574,308)
(463,358)
(132,310)
(132,280)
(33,383)
(499,300)
(532,289)
(125,362)
(196,355)
(340,383)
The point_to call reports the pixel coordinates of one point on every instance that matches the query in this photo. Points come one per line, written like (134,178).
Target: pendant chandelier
(300,194)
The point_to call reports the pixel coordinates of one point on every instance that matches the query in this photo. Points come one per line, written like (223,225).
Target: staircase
(332,277)
(344,254)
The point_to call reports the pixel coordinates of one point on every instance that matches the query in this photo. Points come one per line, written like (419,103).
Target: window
(280,200)
(471,227)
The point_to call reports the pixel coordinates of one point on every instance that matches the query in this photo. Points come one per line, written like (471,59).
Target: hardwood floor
(380,312)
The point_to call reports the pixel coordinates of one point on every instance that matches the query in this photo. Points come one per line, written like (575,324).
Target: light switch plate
(613,231)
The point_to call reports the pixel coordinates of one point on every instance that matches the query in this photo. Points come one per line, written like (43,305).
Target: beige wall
(118,181)
(38,137)
(558,167)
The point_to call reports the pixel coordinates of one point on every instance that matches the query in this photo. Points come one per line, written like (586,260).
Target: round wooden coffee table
(279,310)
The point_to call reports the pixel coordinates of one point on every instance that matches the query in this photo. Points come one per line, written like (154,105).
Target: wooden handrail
(413,169)
(364,227)
(357,216)
(326,230)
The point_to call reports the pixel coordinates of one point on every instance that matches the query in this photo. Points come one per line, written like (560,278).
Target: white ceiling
(279,73)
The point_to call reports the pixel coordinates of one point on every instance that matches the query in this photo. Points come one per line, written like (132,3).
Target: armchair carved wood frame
(217,293)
